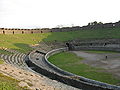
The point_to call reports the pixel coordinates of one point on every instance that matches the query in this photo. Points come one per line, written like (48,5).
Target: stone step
(12,59)
(12,51)
(39,62)
(23,57)
(9,59)
(16,59)
(1,56)
(5,57)
(20,59)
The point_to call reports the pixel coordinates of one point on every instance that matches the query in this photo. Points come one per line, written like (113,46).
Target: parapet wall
(103,48)
(23,31)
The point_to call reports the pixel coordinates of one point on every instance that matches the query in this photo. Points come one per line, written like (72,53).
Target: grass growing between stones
(71,63)
(7,83)
(1,61)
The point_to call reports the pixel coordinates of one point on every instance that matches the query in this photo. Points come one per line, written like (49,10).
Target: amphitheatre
(67,58)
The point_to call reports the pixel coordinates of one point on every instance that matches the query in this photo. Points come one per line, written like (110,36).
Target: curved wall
(68,78)
(101,48)
(91,82)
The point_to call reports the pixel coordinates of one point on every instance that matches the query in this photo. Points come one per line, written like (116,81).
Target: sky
(54,13)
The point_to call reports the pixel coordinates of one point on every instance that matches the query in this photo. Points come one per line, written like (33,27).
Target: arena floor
(110,64)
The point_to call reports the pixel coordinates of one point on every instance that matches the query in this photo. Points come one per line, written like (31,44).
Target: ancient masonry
(64,29)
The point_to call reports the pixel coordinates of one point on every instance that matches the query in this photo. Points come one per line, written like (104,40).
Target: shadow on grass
(24,48)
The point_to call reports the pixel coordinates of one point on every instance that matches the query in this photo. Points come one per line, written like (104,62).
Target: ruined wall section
(63,29)
(23,31)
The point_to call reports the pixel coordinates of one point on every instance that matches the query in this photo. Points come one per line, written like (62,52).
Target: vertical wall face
(27,31)
(46,31)
(56,30)
(8,31)
(64,29)
(36,31)
(17,32)
(1,31)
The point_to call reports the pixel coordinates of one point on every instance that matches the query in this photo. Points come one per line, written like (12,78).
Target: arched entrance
(3,32)
(13,32)
(22,32)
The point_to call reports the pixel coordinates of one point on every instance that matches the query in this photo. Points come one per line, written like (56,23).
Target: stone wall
(103,48)
(63,29)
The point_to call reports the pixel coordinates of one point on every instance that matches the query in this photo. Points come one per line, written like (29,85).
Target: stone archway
(13,32)
(3,32)
(22,32)
(31,32)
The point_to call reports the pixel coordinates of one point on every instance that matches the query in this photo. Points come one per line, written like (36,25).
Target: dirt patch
(110,64)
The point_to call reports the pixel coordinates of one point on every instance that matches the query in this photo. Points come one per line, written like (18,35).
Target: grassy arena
(72,63)
(21,42)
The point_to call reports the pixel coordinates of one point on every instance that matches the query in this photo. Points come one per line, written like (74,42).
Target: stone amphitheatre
(28,63)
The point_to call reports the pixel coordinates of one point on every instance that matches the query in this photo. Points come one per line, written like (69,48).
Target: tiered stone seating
(3,56)
(45,47)
(34,57)
(55,45)
(38,59)
(11,51)
(16,59)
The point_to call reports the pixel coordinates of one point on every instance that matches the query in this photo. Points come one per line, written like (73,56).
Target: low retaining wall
(56,69)
(69,78)
(92,82)
(101,48)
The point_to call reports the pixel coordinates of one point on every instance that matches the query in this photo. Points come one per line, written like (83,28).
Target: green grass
(1,61)
(70,62)
(7,83)
(85,34)
(4,52)
(21,42)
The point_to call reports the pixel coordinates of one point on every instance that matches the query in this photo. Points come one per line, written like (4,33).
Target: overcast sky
(50,13)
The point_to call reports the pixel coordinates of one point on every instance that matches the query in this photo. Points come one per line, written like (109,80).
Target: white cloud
(50,13)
